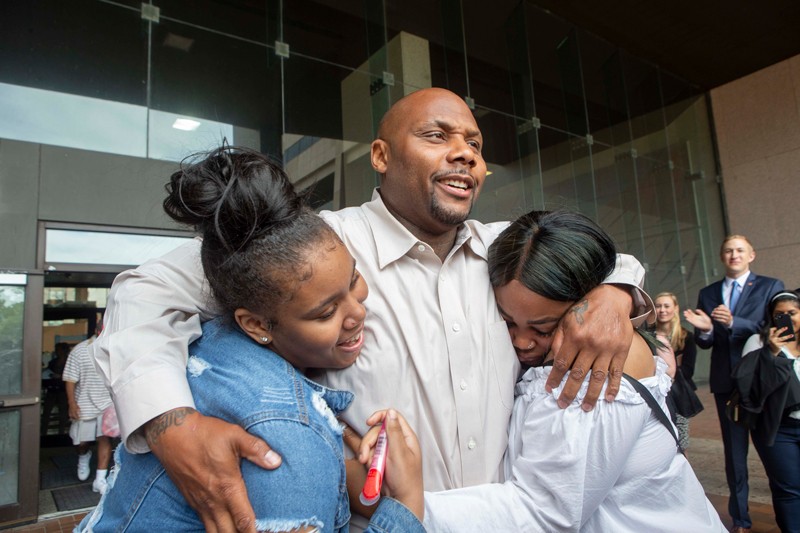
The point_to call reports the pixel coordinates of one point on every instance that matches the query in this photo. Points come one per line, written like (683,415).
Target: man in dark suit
(728,312)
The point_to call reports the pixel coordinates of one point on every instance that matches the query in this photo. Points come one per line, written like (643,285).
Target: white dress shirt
(615,468)
(435,346)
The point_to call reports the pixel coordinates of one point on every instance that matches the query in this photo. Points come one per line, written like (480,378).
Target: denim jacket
(240,381)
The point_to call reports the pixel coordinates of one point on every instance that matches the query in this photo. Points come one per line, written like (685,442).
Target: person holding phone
(780,450)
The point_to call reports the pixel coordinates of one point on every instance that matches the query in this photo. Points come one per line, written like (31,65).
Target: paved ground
(704,453)
(706,456)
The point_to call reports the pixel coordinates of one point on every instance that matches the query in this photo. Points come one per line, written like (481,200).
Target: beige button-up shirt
(435,345)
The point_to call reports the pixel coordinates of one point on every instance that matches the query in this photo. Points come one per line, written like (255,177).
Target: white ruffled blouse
(615,468)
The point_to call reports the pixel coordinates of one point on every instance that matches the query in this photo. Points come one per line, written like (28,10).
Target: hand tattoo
(579,309)
(156,427)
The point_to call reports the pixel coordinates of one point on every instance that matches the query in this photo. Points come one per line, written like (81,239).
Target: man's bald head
(428,153)
(401,108)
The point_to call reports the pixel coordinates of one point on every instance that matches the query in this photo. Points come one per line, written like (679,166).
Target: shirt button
(463,385)
(456,327)
(471,444)
(421,247)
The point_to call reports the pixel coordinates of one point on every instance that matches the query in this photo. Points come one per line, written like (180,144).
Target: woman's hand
(403,476)
(778,338)
(202,455)
(356,473)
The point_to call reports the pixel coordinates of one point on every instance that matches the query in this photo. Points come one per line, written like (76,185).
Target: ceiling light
(185,124)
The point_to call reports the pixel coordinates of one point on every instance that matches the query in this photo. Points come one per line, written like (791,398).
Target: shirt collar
(393,240)
(741,280)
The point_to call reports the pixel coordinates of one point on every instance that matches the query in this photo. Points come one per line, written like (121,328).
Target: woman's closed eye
(328,313)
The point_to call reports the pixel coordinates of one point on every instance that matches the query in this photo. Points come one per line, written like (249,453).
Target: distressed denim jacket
(236,379)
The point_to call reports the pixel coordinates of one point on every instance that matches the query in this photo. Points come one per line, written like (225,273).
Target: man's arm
(151,317)
(595,336)
(153,314)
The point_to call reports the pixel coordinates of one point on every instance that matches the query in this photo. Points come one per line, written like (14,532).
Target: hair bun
(231,196)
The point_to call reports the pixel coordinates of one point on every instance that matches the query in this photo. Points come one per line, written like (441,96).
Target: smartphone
(782,320)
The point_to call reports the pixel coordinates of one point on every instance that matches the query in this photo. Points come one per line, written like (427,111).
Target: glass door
(20,376)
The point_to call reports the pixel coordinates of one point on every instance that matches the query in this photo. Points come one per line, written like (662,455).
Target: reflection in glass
(9,457)
(12,307)
(94,247)
(49,117)
(173,137)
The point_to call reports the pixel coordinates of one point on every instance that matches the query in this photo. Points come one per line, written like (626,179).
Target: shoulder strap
(657,410)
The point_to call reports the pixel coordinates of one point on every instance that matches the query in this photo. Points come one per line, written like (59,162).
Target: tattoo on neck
(579,309)
(156,427)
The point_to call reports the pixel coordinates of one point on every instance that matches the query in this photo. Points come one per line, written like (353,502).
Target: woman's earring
(265,340)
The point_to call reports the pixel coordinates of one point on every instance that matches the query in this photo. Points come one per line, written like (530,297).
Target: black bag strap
(657,410)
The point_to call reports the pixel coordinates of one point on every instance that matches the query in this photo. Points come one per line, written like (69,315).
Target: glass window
(12,307)
(100,248)
(9,457)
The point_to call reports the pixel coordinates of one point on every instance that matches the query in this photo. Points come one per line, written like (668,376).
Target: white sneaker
(100,485)
(83,466)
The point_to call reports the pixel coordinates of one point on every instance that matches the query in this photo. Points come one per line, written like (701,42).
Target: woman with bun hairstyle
(668,325)
(291,300)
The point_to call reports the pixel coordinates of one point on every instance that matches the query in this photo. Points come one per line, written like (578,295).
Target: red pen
(371,492)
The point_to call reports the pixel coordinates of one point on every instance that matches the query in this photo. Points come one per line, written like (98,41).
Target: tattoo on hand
(579,309)
(157,426)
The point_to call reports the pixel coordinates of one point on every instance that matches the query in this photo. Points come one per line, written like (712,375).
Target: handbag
(110,425)
(687,403)
(739,413)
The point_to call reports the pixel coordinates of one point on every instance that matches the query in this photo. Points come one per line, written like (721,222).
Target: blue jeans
(782,464)
(238,380)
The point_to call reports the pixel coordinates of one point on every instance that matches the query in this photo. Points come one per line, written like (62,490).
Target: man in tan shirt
(435,345)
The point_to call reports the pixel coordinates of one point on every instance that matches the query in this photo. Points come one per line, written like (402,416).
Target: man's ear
(257,327)
(379,155)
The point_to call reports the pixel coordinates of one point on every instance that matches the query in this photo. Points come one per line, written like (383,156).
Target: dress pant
(782,464)
(736,441)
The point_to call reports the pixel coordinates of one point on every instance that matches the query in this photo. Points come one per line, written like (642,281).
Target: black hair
(560,255)
(257,230)
(774,300)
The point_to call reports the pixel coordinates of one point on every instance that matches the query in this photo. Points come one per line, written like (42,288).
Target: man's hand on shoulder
(201,455)
(593,337)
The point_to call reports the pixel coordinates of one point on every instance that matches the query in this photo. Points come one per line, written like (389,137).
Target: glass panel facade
(12,306)
(9,457)
(569,120)
(101,248)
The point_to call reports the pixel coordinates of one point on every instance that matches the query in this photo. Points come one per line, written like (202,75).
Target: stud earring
(531,345)
(265,340)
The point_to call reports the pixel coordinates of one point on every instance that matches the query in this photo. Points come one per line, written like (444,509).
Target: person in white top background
(87,397)
(728,312)
(435,344)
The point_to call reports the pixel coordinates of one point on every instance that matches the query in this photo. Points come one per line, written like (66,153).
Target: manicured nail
(272,458)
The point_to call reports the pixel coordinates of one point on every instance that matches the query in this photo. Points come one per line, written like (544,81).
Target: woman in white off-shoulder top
(615,468)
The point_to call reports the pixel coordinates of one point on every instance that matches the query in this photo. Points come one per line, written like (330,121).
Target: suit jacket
(726,344)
